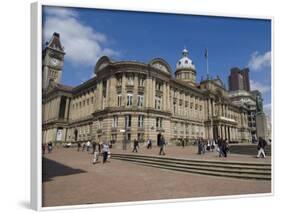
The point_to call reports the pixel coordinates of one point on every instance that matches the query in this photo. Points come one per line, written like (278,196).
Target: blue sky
(87,34)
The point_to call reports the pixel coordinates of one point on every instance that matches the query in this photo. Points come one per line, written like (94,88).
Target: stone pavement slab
(69,178)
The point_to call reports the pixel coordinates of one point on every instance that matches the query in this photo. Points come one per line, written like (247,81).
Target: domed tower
(185,69)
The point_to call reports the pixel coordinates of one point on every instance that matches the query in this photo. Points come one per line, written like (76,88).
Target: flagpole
(207,62)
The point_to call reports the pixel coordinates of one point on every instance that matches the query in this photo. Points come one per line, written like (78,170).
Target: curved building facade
(128,100)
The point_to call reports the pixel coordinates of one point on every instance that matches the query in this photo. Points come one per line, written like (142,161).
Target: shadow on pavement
(53,169)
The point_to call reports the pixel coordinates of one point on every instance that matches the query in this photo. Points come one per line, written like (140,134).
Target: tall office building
(239,79)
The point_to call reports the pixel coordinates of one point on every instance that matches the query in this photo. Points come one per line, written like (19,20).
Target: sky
(88,34)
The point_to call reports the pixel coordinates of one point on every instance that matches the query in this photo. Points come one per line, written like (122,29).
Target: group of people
(210,145)
(223,147)
(204,145)
(49,146)
(98,149)
(161,143)
(220,145)
(101,149)
(84,146)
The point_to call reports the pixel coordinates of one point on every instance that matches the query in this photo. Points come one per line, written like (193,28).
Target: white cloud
(255,85)
(259,61)
(83,45)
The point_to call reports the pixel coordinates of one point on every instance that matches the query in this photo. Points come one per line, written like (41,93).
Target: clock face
(54,61)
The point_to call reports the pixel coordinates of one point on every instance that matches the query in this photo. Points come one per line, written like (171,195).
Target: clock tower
(52,61)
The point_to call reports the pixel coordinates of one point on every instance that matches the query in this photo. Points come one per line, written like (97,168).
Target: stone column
(135,91)
(146,93)
(213,107)
(183,105)
(168,98)
(222,131)
(57,107)
(153,92)
(123,90)
(67,106)
(226,131)
(112,92)
(164,98)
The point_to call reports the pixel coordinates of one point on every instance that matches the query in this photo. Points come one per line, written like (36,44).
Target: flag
(206,53)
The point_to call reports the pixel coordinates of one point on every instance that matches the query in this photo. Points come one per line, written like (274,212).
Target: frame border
(36,100)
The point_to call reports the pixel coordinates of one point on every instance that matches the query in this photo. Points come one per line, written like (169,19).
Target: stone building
(129,99)
(248,100)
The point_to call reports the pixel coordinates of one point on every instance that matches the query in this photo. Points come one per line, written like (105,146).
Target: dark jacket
(261,144)
(161,142)
(136,143)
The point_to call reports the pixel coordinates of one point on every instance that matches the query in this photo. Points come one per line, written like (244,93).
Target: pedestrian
(94,147)
(162,144)
(43,148)
(50,147)
(220,150)
(261,146)
(136,145)
(149,144)
(100,146)
(105,150)
(182,143)
(224,147)
(199,145)
(203,146)
(95,152)
(83,146)
(78,146)
(208,145)
(88,144)
(212,145)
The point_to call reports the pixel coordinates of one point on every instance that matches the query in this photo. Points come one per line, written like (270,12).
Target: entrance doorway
(158,139)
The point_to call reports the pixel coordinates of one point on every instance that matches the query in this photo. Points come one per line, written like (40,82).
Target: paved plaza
(69,178)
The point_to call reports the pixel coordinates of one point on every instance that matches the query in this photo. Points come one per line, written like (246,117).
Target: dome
(185,62)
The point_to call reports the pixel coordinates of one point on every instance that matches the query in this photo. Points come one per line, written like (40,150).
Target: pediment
(161,64)
(102,63)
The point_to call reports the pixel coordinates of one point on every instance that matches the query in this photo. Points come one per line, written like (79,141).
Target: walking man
(78,146)
(50,147)
(162,144)
(149,144)
(182,143)
(224,147)
(95,152)
(261,146)
(136,145)
(105,150)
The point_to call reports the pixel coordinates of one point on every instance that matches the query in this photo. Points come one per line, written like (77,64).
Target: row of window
(130,80)
(129,101)
(128,121)
(140,137)
(83,103)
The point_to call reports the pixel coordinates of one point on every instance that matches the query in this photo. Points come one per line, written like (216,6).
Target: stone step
(248,149)
(206,168)
(247,172)
(195,161)
(202,172)
(198,164)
